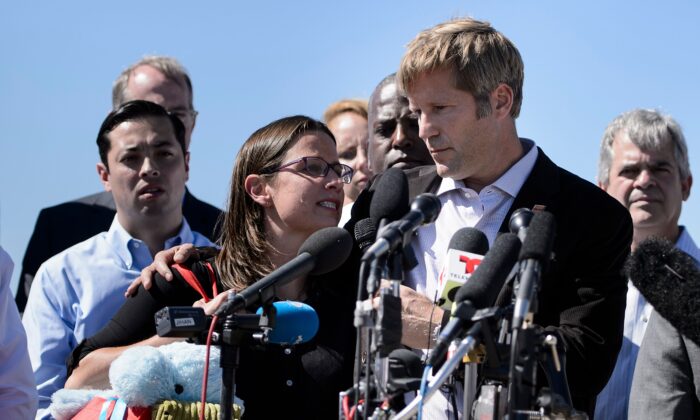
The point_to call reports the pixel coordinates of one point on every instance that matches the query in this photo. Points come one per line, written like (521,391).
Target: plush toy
(145,376)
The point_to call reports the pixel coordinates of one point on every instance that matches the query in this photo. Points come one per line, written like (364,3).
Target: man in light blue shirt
(144,164)
(644,165)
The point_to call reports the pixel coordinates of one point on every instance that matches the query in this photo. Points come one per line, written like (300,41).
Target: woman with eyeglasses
(287,183)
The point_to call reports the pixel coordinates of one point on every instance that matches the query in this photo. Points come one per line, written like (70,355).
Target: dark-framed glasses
(317,167)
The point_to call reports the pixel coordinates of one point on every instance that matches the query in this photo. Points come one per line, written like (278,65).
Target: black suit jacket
(582,295)
(66,224)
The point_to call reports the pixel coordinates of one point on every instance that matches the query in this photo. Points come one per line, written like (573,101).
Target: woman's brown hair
(243,258)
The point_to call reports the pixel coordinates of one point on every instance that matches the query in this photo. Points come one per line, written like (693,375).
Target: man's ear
(256,187)
(502,100)
(685,187)
(187,166)
(602,187)
(103,173)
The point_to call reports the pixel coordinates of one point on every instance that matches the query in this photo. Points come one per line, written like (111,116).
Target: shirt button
(290,382)
(136,245)
(645,319)
(288,351)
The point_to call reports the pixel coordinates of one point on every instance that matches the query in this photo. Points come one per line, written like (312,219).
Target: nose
(400,140)
(644,179)
(361,160)
(149,168)
(426,129)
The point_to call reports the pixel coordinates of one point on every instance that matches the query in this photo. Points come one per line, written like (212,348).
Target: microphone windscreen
(428,205)
(669,279)
(330,246)
(540,238)
(365,233)
(469,240)
(484,285)
(390,199)
(295,323)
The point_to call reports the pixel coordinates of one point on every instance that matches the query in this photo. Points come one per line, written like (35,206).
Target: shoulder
(65,262)
(101,199)
(198,205)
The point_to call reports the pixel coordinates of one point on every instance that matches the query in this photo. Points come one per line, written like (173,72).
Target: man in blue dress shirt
(144,165)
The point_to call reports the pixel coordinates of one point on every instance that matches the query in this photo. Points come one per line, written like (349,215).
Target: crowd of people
(447,118)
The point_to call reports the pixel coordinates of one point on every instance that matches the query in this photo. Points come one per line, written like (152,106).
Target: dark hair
(243,258)
(135,110)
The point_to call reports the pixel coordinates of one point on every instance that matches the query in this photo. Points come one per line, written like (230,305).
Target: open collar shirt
(77,291)
(464,207)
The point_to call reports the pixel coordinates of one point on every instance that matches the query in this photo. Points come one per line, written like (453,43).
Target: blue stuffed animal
(144,376)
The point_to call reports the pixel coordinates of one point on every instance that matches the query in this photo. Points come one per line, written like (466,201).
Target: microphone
(424,209)
(669,279)
(390,199)
(519,222)
(405,371)
(323,251)
(534,257)
(464,254)
(365,231)
(479,292)
(295,323)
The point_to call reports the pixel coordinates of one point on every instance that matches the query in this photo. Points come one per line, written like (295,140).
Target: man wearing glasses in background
(158,79)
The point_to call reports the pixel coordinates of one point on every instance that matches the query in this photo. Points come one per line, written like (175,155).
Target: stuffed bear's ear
(142,376)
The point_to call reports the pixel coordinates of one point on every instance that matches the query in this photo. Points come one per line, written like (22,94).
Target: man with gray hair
(643,165)
(158,79)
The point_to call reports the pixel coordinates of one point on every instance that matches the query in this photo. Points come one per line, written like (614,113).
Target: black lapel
(540,188)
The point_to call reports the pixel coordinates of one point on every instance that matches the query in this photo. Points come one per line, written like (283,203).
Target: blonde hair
(243,258)
(355,106)
(480,57)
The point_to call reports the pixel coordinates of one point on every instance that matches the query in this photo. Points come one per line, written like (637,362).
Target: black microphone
(519,222)
(424,209)
(390,199)
(464,254)
(365,231)
(534,257)
(479,292)
(669,279)
(323,251)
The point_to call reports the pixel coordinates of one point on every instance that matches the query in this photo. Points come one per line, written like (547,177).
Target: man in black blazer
(463,81)
(158,79)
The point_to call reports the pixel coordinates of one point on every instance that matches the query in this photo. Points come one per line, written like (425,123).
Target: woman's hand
(211,306)
(161,265)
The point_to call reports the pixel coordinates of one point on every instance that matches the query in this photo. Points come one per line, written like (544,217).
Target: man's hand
(161,265)
(419,317)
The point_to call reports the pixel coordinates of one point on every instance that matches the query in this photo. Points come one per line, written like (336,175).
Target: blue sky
(253,62)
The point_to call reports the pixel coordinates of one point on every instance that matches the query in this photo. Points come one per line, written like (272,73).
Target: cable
(206,367)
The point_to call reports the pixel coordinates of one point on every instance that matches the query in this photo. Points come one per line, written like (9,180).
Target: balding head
(162,80)
(393,131)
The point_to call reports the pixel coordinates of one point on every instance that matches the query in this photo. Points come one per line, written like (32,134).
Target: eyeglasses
(183,114)
(317,167)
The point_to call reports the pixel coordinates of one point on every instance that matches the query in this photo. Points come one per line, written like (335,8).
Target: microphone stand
(236,330)
(480,332)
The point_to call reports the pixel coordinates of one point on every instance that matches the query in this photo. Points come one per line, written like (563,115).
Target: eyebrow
(160,143)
